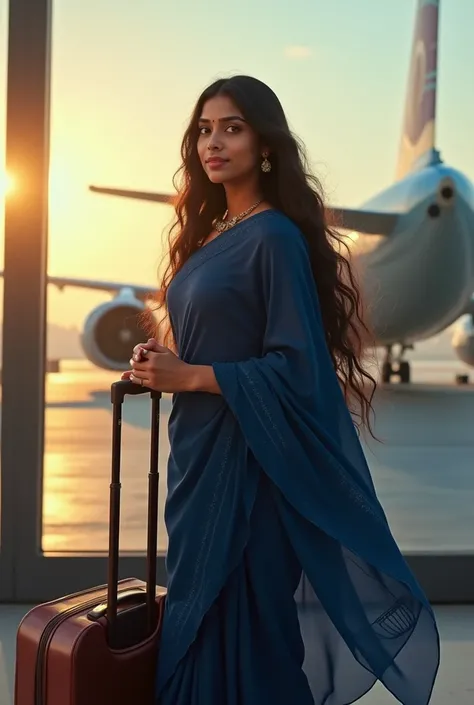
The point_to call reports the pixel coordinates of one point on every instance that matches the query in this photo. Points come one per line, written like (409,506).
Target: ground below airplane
(413,242)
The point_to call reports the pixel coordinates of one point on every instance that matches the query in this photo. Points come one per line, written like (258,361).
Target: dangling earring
(266,165)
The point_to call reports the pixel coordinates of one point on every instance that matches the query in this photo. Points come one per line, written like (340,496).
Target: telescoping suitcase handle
(118,392)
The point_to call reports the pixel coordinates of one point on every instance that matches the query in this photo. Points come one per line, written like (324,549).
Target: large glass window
(125,78)
(105,129)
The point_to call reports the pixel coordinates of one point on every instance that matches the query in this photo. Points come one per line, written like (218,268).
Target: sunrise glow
(6,184)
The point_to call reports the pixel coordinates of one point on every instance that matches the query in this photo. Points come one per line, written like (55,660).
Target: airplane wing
(368,222)
(138,195)
(141,292)
(362,221)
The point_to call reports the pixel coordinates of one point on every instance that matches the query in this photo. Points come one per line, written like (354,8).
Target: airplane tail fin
(418,136)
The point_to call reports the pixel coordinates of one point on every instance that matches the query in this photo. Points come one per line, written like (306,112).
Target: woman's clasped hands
(157,367)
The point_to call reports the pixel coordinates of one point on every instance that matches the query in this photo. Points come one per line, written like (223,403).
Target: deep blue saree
(285,583)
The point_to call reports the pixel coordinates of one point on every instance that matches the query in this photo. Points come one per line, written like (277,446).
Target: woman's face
(227,145)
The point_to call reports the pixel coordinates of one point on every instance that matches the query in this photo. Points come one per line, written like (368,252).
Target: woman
(269,492)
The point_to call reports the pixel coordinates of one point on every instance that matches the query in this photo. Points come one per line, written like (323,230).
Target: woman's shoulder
(272,229)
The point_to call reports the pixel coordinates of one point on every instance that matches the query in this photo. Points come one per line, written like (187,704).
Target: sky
(125,77)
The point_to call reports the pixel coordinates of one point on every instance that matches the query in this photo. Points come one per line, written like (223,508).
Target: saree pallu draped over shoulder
(269,489)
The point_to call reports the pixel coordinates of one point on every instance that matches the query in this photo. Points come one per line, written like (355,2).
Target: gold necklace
(222,225)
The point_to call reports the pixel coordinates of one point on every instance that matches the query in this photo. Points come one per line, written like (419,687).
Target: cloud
(295,51)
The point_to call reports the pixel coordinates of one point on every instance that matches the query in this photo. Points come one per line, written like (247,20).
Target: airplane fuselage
(419,278)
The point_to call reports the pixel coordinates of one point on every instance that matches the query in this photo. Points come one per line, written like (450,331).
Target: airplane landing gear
(396,366)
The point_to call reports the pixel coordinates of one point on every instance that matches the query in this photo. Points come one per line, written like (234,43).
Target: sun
(6,184)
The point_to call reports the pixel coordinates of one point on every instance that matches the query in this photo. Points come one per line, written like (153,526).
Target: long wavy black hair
(293,190)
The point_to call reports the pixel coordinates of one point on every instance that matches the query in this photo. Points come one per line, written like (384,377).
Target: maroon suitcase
(99,646)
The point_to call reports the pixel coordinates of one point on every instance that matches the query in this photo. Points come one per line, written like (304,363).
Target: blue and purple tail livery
(418,135)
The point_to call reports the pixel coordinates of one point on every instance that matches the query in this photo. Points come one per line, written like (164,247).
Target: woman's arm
(203,379)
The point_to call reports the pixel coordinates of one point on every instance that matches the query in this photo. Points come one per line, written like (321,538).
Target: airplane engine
(112,330)
(463,340)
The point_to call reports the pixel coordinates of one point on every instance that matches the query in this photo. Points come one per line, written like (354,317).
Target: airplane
(413,243)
